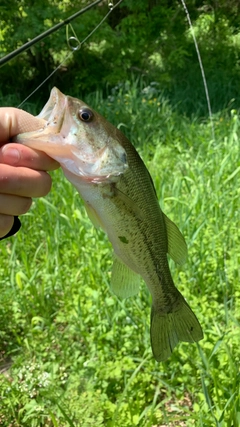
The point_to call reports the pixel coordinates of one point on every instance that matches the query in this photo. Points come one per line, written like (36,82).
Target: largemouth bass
(120,197)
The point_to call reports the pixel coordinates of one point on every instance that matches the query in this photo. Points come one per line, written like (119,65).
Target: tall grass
(72,353)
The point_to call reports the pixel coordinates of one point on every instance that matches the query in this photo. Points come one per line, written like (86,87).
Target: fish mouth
(56,102)
(74,146)
(49,138)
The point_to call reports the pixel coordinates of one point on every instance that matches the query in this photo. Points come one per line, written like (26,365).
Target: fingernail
(11,155)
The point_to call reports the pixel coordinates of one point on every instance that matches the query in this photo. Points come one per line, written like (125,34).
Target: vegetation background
(150,39)
(72,354)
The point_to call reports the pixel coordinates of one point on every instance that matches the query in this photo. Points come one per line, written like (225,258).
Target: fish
(120,197)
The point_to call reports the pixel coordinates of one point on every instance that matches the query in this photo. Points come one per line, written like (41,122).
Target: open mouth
(53,110)
(53,113)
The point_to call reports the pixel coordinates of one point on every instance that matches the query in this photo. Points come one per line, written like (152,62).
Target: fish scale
(120,197)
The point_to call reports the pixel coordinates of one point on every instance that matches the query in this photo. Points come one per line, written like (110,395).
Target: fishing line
(73,48)
(111,7)
(201,67)
(45,80)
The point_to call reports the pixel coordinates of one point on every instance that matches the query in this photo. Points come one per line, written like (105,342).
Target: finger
(14,121)
(24,182)
(19,155)
(14,205)
(6,223)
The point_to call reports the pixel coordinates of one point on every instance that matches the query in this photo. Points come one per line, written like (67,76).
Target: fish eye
(85,114)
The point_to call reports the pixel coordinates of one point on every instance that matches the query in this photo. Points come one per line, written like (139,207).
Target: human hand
(22,170)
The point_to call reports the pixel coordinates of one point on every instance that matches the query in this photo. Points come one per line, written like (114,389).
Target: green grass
(72,354)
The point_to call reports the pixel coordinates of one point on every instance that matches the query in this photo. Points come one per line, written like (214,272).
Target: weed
(72,353)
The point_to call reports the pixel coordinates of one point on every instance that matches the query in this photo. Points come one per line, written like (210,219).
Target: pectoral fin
(124,282)
(131,206)
(177,248)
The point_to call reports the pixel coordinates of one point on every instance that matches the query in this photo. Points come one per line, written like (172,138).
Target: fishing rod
(51,30)
(111,8)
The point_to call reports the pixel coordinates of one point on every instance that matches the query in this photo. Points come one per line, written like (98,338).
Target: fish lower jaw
(107,179)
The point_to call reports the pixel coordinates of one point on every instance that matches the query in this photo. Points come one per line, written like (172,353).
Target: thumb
(14,121)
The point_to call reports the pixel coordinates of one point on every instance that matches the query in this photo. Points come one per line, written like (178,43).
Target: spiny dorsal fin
(177,248)
(124,282)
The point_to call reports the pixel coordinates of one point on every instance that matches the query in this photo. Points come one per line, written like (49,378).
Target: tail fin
(167,329)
